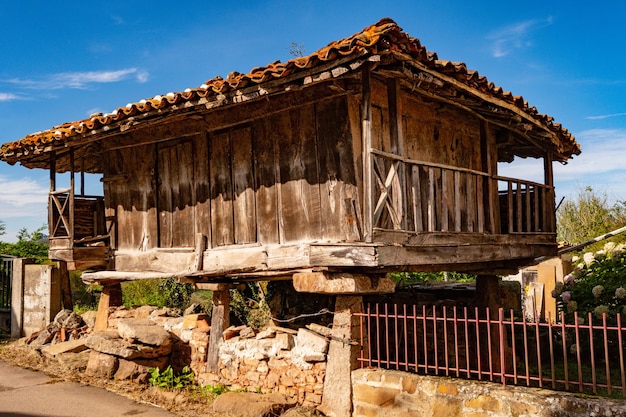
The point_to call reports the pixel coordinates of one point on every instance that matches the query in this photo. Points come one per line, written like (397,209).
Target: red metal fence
(585,356)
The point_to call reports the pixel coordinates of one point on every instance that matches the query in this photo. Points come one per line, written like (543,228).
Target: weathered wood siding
(130,197)
(434,165)
(287,177)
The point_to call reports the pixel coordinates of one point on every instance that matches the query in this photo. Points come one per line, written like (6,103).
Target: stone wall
(275,360)
(400,394)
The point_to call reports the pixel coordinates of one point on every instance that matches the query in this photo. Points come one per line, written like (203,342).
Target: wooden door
(176,195)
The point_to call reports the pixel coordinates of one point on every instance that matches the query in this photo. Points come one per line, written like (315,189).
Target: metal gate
(6,276)
(6,273)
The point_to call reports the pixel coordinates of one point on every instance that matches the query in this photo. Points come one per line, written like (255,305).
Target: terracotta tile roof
(383,37)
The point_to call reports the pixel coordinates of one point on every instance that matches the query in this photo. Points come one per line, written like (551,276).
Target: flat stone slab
(342,283)
(110,343)
(142,331)
(71,346)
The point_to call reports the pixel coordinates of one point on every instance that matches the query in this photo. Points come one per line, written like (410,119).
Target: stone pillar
(342,357)
(219,322)
(111,297)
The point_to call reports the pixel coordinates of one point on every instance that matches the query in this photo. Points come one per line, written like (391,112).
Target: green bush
(249,306)
(595,286)
(84,296)
(156,292)
(410,278)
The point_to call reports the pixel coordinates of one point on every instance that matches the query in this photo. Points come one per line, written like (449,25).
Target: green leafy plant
(210,391)
(409,278)
(156,292)
(167,379)
(597,285)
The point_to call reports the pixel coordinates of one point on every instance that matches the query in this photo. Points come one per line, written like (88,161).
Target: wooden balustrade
(420,197)
(75,217)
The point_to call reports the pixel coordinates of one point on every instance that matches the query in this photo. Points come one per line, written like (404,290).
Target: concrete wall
(36,297)
(378,393)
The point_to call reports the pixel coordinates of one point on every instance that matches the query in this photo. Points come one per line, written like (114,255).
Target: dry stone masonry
(279,360)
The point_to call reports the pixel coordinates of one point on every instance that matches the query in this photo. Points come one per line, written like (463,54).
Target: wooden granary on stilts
(368,156)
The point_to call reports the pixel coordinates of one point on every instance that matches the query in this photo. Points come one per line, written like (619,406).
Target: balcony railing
(75,218)
(416,197)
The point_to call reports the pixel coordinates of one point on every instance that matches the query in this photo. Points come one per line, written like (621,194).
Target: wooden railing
(75,217)
(61,214)
(417,197)
(525,206)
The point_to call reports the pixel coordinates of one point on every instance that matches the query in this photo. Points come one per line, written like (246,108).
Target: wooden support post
(342,357)
(219,322)
(549,203)
(111,297)
(366,139)
(66,287)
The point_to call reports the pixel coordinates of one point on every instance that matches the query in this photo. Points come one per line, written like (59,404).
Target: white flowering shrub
(597,285)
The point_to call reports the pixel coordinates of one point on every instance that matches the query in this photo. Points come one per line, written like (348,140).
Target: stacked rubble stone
(274,360)
(280,360)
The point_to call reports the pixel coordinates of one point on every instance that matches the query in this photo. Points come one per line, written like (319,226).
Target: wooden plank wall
(431,199)
(287,177)
(131,197)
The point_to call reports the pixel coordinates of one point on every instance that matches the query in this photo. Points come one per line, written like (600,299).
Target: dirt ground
(182,403)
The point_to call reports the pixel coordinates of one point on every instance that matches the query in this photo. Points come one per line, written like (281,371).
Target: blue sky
(64,60)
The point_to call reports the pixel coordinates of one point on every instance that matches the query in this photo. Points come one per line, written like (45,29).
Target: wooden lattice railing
(75,217)
(416,197)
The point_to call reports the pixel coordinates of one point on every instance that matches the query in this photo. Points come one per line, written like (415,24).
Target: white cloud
(603,151)
(605,116)
(80,80)
(516,36)
(8,97)
(18,194)
(142,76)
(601,166)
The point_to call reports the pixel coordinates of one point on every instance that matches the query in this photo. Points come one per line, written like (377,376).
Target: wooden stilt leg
(111,297)
(219,322)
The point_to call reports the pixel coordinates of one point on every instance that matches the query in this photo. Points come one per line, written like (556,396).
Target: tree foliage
(29,245)
(410,278)
(589,215)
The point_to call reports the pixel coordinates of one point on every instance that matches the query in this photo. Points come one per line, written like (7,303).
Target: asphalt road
(25,393)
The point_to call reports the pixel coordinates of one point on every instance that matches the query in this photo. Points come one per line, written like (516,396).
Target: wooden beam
(201,243)
(219,286)
(219,322)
